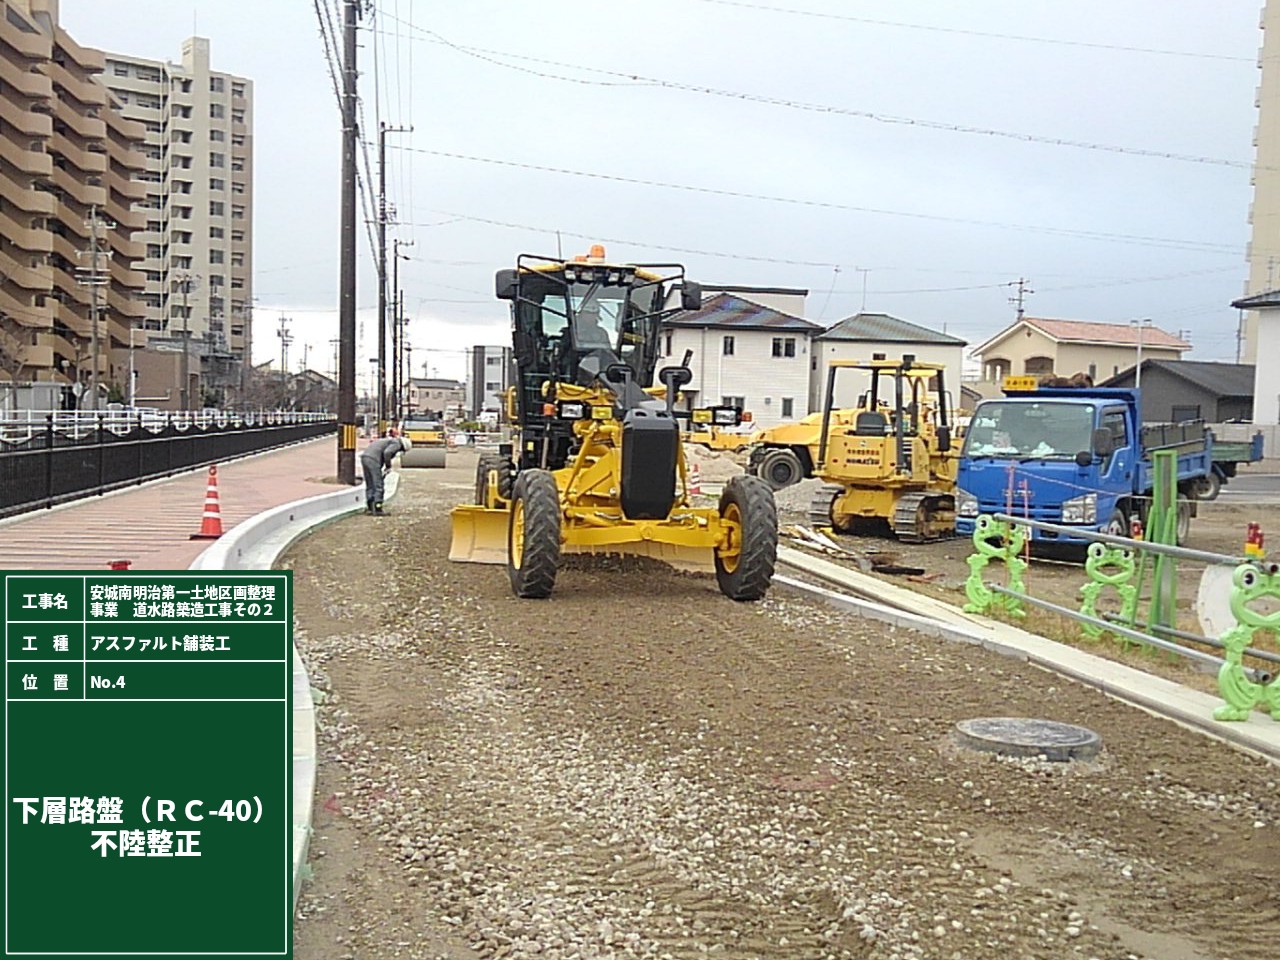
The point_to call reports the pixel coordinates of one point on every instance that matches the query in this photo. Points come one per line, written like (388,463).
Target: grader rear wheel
(533,535)
(744,563)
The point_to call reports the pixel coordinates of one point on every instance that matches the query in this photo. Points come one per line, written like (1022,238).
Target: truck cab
(1070,456)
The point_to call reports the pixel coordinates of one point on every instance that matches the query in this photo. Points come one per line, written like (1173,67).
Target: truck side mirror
(944,439)
(1104,444)
(1084,458)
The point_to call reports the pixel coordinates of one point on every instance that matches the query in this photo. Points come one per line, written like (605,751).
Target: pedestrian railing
(1119,567)
(71,457)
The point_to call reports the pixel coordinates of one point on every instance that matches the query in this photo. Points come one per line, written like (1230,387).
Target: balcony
(24,311)
(85,91)
(78,189)
(36,45)
(126,188)
(39,279)
(28,83)
(86,160)
(85,127)
(29,239)
(89,60)
(26,198)
(28,122)
(35,162)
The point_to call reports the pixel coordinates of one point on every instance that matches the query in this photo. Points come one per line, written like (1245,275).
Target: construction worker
(376,461)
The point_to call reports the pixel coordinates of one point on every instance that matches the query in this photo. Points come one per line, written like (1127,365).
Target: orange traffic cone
(695,480)
(211,521)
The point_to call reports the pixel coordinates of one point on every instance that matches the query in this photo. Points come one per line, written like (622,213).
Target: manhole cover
(1026,737)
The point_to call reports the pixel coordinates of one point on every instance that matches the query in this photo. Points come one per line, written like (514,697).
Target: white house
(862,337)
(1266,376)
(745,354)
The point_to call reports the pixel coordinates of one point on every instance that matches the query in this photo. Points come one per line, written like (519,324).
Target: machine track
(922,517)
(820,505)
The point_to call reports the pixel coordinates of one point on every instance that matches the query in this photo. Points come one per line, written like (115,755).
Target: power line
(597,238)
(983,33)
(1176,244)
(631,79)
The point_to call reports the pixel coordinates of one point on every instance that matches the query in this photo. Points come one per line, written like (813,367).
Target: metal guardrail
(21,425)
(1185,553)
(60,464)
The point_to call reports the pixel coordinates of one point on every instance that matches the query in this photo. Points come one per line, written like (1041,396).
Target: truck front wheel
(1118,525)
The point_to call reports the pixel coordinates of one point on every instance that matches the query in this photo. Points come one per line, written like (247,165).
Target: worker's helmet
(406,443)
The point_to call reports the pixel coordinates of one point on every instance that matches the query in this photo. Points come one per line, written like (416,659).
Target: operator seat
(870,423)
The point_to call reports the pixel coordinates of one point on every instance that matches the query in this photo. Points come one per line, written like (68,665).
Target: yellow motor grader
(893,464)
(596,464)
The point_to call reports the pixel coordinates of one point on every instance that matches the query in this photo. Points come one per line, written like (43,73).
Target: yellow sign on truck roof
(1020,384)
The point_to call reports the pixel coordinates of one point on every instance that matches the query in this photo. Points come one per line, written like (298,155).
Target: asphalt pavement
(1248,488)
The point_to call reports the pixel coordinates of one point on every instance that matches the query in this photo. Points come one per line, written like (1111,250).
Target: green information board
(147,760)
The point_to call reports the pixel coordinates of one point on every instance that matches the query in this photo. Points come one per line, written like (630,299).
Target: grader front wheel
(533,535)
(745,561)
(489,462)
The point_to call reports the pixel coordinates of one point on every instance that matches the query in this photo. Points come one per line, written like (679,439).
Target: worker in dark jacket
(376,461)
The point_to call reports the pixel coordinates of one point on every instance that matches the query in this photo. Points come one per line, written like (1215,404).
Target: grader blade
(479,535)
(430,457)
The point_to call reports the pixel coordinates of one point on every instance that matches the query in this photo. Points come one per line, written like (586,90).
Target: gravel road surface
(639,767)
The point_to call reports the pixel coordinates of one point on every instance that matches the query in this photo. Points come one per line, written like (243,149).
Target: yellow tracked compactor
(596,464)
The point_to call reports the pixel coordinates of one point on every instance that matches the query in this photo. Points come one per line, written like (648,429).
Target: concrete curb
(1188,708)
(256,544)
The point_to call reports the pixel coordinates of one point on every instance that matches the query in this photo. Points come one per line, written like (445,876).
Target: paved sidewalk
(150,526)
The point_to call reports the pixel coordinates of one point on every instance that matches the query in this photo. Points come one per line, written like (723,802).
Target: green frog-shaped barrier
(1249,583)
(1109,566)
(1009,552)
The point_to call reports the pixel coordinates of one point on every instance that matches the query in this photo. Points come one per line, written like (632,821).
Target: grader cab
(596,464)
(894,463)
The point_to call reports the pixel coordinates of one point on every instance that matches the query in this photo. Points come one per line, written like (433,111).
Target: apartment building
(198,201)
(1263,252)
(492,371)
(67,167)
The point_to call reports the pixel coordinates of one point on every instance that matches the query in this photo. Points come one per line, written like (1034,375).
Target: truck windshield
(1018,429)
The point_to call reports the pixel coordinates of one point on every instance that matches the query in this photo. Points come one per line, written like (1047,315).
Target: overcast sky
(1100,149)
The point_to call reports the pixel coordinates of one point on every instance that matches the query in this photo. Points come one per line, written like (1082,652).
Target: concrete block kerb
(256,544)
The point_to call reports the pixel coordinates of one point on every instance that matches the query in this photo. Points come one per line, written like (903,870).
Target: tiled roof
(736,313)
(1220,379)
(1121,334)
(880,327)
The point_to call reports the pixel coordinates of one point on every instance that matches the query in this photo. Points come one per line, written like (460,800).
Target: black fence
(60,463)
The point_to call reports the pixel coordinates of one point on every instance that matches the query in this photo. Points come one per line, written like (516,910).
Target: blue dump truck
(1076,456)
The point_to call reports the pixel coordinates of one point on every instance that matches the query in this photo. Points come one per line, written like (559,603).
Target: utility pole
(94,277)
(347,274)
(397,331)
(1020,298)
(188,282)
(385,216)
(1137,370)
(285,340)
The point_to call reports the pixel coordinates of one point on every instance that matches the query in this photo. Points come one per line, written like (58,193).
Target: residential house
(744,355)
(866,335)
(1175,390)
(1036,346)
(437,396)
